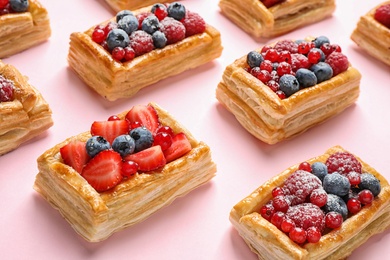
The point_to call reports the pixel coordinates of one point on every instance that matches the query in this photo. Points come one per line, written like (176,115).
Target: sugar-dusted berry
(6,89)
(343,163)
(193,23)
(370,182)
(160,11)
(333,220)
(382,15)
(338,61)
(337,184)
(176,10)
(174,30)
(141,42)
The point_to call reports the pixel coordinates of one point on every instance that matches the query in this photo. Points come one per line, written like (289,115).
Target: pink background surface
(195,226)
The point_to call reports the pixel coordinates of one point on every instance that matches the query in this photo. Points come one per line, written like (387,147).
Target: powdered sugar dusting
(343,163)
(300,185)
(307,215)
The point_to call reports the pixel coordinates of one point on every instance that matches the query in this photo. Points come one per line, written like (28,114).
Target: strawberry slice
(103,171)
(149,159)
(75,155)
(110,129)
(180,146)
(146,115)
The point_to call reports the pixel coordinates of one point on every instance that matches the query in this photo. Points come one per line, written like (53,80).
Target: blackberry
(176,10)
(122,14)
(254,59)
(322,70)
(320,40)
(143,138)
(123,145)
(288,84)
(151,24)
(319,169)
(19,6)
(336,184)
(159,39)
(370,182)
(306,78)
(337,204)
(96,144)
(117,38)
(128,23)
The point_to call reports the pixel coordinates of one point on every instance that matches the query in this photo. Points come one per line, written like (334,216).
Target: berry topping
(96,144)
(336,184)
(150,24)
(159,40)
(319,169)
(6,89)
(75,155)
(333,220)
(365,197)
(144,115)
(149,159)
(163,139)
(176,10)
(288,84)
(343,163)
(322,70)
(354,178)
(174,30)
(382,15)
(319,197)
(267,211)
(117,38)
(298,235)
(315,55)
(19,6)
(286,45)
(128,23)
(369,182)
(337,204)
(321,40)
(110,129)
(306,78)
(141,42)
(129,168)
(160,11)
(123,144)
(142,137)
(254,59)
(277,219)
(179,147)
(300,184)
(287,225)
(270,3)
(281,203)
(338,62)
(307,215)
(354,205)
(122,14)
(193,23)
(103,172)
(313,235)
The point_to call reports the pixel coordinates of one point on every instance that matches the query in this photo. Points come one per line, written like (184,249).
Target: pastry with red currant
(372,32)
(282,89)
(123,170)
(24,114)
(323,208)
(269,18)
(23,24)
(118,5)
(119,57)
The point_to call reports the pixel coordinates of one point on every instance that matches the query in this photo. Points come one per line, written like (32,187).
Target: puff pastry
(271,119)
(372,36)
(259,21)
(95,216)
(20,31)
(268,242)
(113,80)
(118,5)
(27,116)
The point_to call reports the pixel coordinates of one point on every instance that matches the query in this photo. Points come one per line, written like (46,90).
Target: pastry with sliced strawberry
(122,170)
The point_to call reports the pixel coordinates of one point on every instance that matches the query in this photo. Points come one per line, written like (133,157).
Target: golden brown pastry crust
(119,5)
(27,116)
(271,119)
(372,36)
(113,80)
(20,31)
(259,21)
(95,216)
(268,242)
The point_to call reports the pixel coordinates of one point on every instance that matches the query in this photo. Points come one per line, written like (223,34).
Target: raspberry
(193,23)
(286,45)
(173,30)
(338,61)
(343,163)
(6,89)
(299,61)
(300,185)
(307,215)
(141,42)
(382,15)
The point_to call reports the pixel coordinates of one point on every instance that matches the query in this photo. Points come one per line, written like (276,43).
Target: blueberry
(306,78)
(320,40)
(117,38)
(143,138)
(370,182)
(123,144)
(128,23)
(322,70)
(96,144)
(336,184)
(319,169)
(151,24)
(254,59)
(122,14)
(176,10)
(159,39)
(19,5)
(337,204)
(288,84)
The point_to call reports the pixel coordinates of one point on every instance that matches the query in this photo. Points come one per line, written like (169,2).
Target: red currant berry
(273,85)
(315,55)
(255,71)
(272,55)
(354,205)
(284,68)
(113,118)
(319,197)
(265,49)
(104,45)
(285,56)
(4,3)
(109,27)
(165,129)
(275,76)
(264,76)
(118,53)
(277,219)
(305,166)
(304,47)
(280,94)
(267,211)
(280,204)
(365,197)
(98,35)
(163,139)
(333,220)
(129,168)
(298,235)
(5,10)
(326,48)
(287,225)
(354,178)
(129,53)
(266,65)
(134,125)
(336,47)
(313,235)
(160,11)
(277,191)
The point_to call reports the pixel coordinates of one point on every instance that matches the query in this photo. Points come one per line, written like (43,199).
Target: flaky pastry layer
(20,31)
(27,116)
(271,119)
(96,216)
(118,5)
(114,80)
(268,242)
(372,36)
(259,21)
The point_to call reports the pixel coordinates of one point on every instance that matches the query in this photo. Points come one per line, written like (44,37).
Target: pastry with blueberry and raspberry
(24,114)
(372,32)
(282,89)
(123,170)
(119,57)
(23,24)
(118,5)
(323,208)
(270,18)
